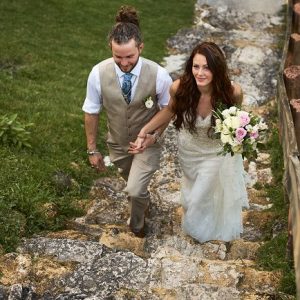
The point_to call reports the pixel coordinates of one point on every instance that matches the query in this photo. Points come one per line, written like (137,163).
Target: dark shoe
(138,233)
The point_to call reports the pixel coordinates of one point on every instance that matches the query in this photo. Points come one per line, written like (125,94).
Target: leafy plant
(12,132)
(44,66)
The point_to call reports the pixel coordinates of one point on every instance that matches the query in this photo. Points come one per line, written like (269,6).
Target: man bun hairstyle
(127,14)
(127,27)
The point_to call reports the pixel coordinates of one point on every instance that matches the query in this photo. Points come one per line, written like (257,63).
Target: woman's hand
(141,143)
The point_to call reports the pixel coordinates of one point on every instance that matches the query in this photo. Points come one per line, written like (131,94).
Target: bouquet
(239,131)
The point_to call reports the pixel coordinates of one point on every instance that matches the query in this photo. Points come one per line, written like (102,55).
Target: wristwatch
(92,152)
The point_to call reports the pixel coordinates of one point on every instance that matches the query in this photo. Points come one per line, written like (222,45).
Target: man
(132,89)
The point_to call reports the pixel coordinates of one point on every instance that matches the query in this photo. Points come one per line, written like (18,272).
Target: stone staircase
(97,257)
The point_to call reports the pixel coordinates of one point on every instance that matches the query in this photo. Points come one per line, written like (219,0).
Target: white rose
(232,110)
(225,113)
(232,122)
(225,129)
(149,103)
(242,112)
(235,122)
(227,122)
(225,138)
(218,127)
(249,128)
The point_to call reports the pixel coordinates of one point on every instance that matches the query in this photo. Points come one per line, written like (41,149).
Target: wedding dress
(213,187)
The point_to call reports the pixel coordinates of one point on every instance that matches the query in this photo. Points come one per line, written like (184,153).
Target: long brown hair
(127,27)
(187,96)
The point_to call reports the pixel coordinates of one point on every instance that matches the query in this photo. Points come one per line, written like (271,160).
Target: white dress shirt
(93,101)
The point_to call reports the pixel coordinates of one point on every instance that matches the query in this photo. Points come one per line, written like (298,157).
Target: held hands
(141,143)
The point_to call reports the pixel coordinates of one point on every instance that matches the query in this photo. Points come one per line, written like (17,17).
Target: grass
(47,49)
(272,255)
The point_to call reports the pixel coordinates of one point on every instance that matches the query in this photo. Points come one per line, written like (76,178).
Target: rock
(98,258)
(62,249)
(61,181)
(240,249)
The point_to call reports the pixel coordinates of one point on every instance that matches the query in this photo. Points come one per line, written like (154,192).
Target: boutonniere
(148,102)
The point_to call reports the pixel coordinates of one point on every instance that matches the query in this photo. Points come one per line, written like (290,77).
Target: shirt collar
(135,71)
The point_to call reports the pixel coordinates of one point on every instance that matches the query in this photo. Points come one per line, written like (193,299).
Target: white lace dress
(213,189)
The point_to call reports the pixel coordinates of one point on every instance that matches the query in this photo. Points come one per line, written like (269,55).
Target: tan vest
(126,120)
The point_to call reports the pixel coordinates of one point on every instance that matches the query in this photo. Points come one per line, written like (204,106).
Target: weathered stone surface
(102,277)
(121,240)
(247,43)
(14,268)
(262,282)
(99,258)
(63,249)
(240,249)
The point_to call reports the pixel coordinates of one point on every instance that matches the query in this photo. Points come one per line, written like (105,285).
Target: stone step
(44,263)
(241,249)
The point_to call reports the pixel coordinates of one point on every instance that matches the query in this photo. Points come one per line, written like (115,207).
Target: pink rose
(254,134)
(244,119)
(240,133)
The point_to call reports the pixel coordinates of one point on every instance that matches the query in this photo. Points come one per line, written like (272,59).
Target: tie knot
(127,76)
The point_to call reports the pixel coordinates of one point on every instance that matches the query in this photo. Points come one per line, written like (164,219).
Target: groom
(131,89)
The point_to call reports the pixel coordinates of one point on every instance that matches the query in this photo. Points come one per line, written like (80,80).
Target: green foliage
(276,152)
(272,255)
(12,225)
(46,54)
(12,132)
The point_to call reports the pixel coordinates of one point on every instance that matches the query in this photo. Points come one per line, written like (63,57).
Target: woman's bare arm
(157,124)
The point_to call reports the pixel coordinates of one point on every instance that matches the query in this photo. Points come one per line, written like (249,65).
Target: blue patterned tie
(126,87)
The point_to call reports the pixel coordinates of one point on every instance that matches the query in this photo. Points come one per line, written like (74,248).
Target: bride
(213,190)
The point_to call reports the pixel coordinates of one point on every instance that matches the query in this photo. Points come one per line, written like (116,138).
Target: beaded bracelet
(156,136)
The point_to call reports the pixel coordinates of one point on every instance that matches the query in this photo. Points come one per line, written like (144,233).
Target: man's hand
(96,161)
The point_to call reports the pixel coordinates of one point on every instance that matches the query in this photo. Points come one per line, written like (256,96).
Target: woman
(213,190)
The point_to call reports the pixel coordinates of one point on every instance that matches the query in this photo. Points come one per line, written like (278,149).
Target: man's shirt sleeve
(93,100)
(163,83)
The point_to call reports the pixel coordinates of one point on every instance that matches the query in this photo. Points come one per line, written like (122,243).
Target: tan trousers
(138,170)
